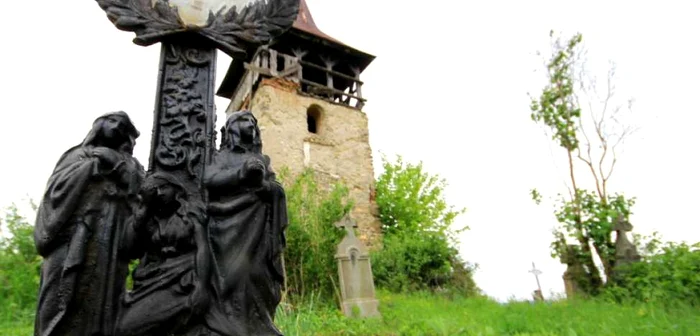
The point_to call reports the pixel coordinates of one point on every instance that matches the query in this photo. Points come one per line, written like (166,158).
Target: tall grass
(429,314)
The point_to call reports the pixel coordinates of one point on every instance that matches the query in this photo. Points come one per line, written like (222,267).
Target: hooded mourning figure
(80,219)
(247,218)
(168,236)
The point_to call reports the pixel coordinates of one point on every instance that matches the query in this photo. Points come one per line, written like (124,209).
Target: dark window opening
(313,118)
(311,123)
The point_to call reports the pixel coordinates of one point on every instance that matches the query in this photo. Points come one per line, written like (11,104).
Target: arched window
(313,118)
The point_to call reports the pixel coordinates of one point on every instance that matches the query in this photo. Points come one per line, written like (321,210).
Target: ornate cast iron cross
(190,32)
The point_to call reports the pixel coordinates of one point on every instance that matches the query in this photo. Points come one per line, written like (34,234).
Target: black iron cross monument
(190,32)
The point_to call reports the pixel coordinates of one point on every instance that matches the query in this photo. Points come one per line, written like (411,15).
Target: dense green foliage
(411,200)
(668,275)
(419,246)
(312,236)
(19,266)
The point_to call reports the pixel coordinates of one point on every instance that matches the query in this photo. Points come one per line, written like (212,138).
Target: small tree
(420,241)
(592,139)
(411,200)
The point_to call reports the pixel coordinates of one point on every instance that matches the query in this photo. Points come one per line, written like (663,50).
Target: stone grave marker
(355,272)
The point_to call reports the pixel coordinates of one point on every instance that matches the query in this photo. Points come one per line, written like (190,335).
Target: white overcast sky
(449,87)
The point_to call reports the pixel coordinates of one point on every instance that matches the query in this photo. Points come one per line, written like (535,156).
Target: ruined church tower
(305,90)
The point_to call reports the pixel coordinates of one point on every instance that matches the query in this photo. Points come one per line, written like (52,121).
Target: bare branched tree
(606,120)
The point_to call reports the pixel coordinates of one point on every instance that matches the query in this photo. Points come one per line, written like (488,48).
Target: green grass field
(423,314)
(429,315)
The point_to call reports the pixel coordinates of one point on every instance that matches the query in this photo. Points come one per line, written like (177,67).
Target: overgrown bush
(419,247)
(19,266)
(670,274)
(312,236)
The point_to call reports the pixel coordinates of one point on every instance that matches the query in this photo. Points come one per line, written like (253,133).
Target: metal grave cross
(537,273)
(190,32)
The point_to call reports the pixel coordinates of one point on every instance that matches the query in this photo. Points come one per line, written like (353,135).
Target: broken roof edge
(236,71)
(333,44)
(305,22)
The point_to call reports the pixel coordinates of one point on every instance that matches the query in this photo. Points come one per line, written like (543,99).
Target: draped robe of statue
(168,237)
(248,216)
(86,203)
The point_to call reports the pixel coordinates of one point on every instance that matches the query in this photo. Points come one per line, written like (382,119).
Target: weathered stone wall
(338,151)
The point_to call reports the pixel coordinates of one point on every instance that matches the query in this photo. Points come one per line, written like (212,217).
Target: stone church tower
(305,90)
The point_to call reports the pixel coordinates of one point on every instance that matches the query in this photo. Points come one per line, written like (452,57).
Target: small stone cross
(622,224)
(348,224)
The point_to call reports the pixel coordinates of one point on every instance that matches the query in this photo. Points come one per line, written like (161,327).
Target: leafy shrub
(407,263)
(419,239)
(312,236)
(410,263)
(670,275)
(19,266)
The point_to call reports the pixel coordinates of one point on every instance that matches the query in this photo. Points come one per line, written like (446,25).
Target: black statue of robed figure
(87,202)
(247,219)
(210,258)
(170,282)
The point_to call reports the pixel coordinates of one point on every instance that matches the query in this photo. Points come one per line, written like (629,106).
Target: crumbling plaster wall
(338,151)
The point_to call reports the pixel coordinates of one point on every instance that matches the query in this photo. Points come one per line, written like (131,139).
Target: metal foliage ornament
(234,26)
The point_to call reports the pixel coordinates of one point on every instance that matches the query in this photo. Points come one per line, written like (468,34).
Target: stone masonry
(338,151)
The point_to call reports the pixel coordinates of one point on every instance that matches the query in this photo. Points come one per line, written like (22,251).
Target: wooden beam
(335,73)
(332,90)
(273,62)
(257,69)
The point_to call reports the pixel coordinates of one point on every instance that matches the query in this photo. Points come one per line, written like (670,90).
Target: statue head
(163,192)
(114,130)
(166,198)
(241,132)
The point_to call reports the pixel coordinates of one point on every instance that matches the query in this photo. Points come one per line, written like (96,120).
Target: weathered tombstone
(625,252)
(574,272)
(169,284)
(537,295)
(355,272)
(83,226)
